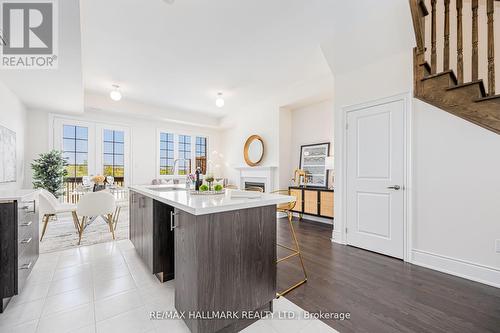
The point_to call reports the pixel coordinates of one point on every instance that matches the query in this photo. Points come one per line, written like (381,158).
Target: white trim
(462,268)
(339,234)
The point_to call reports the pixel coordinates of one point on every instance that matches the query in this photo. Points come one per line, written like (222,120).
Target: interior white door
(375,178)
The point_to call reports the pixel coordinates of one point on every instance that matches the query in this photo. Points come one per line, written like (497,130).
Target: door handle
(26,266)
(27,224)
(394,187)
(172,223)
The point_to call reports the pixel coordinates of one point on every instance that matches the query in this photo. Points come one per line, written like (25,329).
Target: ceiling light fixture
(115,94)
(219,102)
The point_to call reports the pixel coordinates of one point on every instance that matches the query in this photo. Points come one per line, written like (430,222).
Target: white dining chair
(50,207)
(92,205)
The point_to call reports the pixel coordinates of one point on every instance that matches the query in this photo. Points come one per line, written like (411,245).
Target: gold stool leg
(296,252)
(81,228)
(45,222)
(110,224)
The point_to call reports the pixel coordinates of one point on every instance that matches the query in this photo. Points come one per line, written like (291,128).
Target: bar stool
(287,209)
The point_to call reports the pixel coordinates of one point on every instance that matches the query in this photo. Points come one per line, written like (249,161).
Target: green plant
(204,188)
(49,171)
(218,187)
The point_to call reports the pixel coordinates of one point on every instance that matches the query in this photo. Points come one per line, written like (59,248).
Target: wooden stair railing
(450,92)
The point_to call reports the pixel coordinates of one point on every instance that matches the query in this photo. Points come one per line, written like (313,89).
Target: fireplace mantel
(262,174)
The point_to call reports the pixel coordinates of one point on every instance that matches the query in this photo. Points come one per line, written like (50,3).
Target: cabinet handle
(26,241)
(172,223)
(26,266)
(26,224)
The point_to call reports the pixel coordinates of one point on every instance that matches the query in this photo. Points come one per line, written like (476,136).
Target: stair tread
(448,72)
(467,84)
(427,66)
(488,98)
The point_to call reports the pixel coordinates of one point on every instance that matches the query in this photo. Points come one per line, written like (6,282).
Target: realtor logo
(29,34)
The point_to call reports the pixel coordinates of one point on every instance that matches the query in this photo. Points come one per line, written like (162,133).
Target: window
(166,154)
(184,155)
(75,150)
(201,154)
(114,153)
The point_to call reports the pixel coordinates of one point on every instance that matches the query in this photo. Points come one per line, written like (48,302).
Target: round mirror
(254,150)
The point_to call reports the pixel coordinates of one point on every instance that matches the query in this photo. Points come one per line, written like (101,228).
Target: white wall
(456,184)
(263,120)
(13,117)
(285,147)
(310,124)
(143,134)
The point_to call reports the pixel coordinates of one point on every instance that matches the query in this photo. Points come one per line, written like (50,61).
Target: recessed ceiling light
(170,2)
(115,94)
(219,102)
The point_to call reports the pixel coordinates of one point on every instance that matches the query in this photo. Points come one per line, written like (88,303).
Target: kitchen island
(221,249)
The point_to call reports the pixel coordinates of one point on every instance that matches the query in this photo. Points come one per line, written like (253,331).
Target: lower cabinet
(313,201)
(151,235)
(19,247)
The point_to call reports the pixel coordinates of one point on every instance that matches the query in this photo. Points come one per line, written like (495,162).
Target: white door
(375,178)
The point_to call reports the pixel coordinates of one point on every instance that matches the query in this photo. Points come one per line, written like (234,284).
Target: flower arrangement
(98,179)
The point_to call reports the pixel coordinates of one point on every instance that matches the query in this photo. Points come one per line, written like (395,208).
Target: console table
(313,201)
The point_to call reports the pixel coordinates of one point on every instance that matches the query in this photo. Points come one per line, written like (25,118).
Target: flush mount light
(115,94)
(219,102)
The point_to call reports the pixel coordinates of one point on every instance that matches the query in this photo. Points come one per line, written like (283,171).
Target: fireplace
(255,184)
(259,176)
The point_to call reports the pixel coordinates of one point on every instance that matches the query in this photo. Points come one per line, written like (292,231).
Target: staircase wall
(456,178)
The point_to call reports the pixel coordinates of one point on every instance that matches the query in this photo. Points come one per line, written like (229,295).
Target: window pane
(119,160)
(68,145)
(69,157)
(108,159)
(119,147)
(163,136)
(163,162)
(108,135)
(119,136)
(82,170)
(163,154)
(119,171)
(81,146)
(81,159)
(68,131)
(108,170)
(108,148)
(81,132)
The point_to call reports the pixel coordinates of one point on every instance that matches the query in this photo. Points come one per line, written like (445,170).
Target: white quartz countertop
(19,195)
(206,204)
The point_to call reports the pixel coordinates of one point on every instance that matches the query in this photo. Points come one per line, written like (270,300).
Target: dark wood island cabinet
(223,249)
(19,247)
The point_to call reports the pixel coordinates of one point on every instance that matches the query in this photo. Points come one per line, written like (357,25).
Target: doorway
(376,173)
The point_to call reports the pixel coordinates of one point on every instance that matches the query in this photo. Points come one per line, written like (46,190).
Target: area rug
(61,233)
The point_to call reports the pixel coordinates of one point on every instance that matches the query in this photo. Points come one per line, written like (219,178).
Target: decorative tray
(193,192)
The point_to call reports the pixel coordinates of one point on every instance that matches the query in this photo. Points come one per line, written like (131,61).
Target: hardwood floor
(382,294)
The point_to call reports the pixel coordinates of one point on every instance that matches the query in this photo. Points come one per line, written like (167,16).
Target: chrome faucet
(177,160)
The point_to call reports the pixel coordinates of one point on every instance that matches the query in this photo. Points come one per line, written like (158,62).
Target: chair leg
(117,216)
(110,224)
(82,227)
(46,218)
(295,252)
(75,221)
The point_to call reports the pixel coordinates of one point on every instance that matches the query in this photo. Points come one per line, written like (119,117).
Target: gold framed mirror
(254,150)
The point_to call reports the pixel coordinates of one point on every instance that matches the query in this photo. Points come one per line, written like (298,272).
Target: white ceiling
(181,55)
(60,89)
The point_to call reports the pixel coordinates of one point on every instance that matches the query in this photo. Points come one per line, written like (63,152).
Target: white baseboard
(315,219)
(337,237)
(467,270)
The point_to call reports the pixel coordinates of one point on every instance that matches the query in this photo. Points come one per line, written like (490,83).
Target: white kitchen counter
(206,204)
(18,195)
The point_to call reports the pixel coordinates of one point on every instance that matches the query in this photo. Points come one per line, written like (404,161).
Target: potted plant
(49,171)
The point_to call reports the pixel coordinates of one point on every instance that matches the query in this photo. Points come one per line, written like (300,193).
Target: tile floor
(105,288)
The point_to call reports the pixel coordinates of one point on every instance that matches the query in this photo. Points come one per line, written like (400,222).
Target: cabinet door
(311,202)
(326,203)
(298,195)
(147,232)
(135,221)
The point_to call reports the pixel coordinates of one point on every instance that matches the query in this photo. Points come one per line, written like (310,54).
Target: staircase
(445,89)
